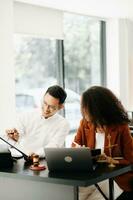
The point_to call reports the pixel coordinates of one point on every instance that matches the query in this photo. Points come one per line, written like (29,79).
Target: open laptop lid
(69,159)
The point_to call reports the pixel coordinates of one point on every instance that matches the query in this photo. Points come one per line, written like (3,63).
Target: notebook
(69,159)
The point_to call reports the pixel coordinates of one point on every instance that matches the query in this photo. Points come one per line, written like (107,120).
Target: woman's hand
(107,159)
(111,160)
(74,144)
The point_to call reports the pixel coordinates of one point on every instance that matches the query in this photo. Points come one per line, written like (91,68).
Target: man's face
(50,105)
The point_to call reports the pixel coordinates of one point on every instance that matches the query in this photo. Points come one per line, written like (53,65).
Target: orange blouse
(121,136)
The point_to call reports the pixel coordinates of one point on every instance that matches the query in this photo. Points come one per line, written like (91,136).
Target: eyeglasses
(50,107)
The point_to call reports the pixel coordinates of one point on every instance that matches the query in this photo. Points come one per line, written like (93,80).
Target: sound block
(37,168)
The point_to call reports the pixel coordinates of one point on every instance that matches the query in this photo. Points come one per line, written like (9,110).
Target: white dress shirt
(36,132)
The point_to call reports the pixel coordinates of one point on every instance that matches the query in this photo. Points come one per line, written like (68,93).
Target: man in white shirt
(36,130)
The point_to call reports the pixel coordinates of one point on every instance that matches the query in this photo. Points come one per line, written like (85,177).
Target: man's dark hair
(57,92)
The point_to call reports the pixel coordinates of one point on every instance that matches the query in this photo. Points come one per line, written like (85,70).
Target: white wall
(120,59)
(124,66)
(7,100)
(130,62)
(112,44)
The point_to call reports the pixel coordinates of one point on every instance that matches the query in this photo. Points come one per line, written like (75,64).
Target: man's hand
(13,134)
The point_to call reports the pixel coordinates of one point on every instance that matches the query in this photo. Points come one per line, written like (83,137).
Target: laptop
(69,159)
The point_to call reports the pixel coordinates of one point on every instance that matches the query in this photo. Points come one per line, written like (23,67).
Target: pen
(77,145)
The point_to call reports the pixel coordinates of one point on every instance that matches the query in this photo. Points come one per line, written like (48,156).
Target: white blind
(38,21)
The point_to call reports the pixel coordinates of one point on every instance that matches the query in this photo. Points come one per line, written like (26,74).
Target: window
(75,63)
(82,52)
(35,62)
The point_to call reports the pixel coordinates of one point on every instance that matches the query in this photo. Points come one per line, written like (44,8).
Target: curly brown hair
(103,107)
